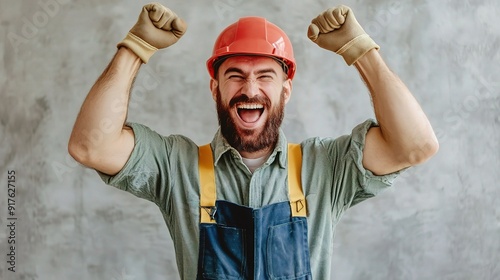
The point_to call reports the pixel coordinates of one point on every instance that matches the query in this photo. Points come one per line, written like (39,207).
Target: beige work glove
(157,28)
(337,30)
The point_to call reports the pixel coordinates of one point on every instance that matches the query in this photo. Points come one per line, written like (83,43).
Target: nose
(250,88)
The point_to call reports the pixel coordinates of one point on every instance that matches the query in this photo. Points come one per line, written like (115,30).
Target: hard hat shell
(253,36)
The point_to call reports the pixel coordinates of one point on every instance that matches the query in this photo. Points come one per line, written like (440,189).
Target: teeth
(250,106)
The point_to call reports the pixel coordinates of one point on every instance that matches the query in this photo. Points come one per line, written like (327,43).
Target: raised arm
(404,136)
(100,139)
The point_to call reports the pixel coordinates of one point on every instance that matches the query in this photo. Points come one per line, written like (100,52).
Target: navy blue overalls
(238,242)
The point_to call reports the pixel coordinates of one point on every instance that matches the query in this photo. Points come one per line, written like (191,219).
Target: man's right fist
(157,28)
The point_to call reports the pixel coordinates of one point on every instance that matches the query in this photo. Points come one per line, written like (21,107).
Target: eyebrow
(267,70)
(238,70)
(234,69)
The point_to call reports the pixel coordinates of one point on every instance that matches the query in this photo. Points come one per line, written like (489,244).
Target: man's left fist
(337,30)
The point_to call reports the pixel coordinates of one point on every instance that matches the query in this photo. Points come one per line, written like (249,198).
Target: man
(250,206)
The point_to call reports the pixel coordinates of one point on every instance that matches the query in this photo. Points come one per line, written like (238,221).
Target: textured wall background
(440,221)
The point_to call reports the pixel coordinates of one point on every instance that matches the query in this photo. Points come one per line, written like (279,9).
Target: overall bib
(238,242)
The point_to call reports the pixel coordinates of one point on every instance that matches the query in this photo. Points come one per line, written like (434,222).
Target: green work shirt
(164,170)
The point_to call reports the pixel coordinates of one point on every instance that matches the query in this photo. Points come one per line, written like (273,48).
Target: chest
(266,185)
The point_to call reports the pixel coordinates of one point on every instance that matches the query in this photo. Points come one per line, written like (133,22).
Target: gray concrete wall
(440,221)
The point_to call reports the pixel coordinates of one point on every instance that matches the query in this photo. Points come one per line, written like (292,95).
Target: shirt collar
(220,146)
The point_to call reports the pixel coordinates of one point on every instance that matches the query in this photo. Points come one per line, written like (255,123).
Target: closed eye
(235,77)
(266,77)
(234,73)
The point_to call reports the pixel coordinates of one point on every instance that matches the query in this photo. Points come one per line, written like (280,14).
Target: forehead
(249,63)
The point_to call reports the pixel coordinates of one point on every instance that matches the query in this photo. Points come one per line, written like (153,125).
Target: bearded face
(250,140)
(251,93)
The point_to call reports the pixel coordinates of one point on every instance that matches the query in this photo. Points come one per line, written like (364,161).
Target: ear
(287,89)
(213,88)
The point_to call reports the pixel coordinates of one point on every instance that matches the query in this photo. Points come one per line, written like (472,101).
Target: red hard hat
(253,36)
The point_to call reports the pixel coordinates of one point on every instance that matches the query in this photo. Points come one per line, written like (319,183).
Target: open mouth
(251,112)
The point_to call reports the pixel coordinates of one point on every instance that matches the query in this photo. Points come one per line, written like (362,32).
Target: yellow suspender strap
(297,198)
(208,191)
(207,184)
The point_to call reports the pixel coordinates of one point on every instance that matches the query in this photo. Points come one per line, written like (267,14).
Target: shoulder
(338,147)
(144,133)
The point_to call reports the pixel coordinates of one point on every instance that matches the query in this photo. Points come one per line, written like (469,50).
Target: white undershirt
(254,163)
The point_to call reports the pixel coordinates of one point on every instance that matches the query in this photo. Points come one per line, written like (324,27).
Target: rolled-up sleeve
(352,183)
(145,174)
(369,183)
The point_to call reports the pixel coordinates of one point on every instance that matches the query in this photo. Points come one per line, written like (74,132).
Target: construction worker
(249,205)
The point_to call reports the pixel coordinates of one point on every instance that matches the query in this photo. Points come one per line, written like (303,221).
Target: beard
(249,140)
